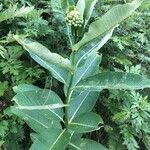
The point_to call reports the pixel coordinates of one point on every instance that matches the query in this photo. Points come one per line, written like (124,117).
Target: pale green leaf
(91,47)
(13,11)
(2,51)
(108,21)
(87,122)
(59,8)
(81,6)
(86,144)
(42,52)
(81,103)
(33,136)
(71,2)
(23,11)
(76,136)
(89,9)
(90,67)
(65,5)
(25,87)
(51,139)
(37,119)
(114,80)
(59,73)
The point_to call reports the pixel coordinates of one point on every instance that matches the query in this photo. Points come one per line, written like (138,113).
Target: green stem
(69,92)
(66,109)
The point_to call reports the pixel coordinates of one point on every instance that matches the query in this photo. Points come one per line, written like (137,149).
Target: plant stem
(66,109)
(69,92)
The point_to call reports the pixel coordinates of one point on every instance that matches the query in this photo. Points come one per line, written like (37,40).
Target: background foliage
(126,113)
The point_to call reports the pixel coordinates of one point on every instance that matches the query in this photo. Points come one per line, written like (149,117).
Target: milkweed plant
(59,123)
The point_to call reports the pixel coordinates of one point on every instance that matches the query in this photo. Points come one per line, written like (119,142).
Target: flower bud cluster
(74,18)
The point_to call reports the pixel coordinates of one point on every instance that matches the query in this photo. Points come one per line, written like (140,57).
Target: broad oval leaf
(92,46)
(51,139)
(86,144)
(59,73)
(81,103)
(89,68)
(114,80)
(37,120)
(87,122)
(29,103)
(25,87)
(42,52)
(105,23)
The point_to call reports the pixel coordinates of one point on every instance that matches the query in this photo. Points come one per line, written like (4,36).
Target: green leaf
(59,73)
(89,9)
(4,127)
(65,4)
(25,87)
(114,80)
(90,67)
(86,144)
(87,122)
(59,8)
(3,87)
(2,142)
(2,51)
(91,47)
(33,136)
(51,139)
(108,21)
(12,12)
(71,2)
(81,6)
(121,116)
(76,136)
(81,103)
(22,11)
(38,119)
(42,52)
